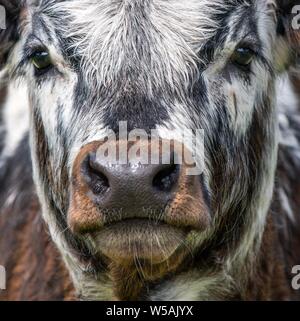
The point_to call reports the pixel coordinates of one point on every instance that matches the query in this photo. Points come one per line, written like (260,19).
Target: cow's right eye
(41,60)
(243,56)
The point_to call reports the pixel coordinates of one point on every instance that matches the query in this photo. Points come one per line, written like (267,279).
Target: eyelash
(26,61)
(258,57)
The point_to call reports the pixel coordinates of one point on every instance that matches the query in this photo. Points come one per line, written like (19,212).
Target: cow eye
(41,60)
(243,56)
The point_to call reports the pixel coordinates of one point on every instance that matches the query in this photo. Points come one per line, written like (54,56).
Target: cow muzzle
(136,209)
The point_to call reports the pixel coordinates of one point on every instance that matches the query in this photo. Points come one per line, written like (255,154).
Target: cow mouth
(137,238)
(136,211)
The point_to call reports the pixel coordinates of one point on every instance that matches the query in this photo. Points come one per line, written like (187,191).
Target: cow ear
(288,30)
(9,17)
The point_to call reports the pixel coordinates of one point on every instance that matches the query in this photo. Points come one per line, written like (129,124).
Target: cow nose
(108,187)
(133,186)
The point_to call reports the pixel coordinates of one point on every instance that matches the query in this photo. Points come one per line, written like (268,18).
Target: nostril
(94,176)
(166,178)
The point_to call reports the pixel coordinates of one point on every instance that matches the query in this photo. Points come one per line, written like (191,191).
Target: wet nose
(107,190)
(133,186)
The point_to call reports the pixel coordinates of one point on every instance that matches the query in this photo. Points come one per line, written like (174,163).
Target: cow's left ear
(288,31)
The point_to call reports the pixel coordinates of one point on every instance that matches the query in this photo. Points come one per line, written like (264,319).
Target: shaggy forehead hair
(154,42)
(109,34)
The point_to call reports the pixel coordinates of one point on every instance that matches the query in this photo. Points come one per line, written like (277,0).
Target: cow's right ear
(9,18)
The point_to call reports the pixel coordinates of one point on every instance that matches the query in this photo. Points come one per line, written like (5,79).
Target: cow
(73,74)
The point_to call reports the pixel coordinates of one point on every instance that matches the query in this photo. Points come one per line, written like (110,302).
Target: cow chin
(140,239)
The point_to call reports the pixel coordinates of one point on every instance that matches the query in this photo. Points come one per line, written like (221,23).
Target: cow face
(95,67)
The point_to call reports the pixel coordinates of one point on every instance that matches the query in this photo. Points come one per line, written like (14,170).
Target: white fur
(15,119)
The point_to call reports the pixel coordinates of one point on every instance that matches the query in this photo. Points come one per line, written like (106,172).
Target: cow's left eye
(243,56)
(41,60)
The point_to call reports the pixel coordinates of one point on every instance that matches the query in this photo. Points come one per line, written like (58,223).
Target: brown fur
(35,270)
